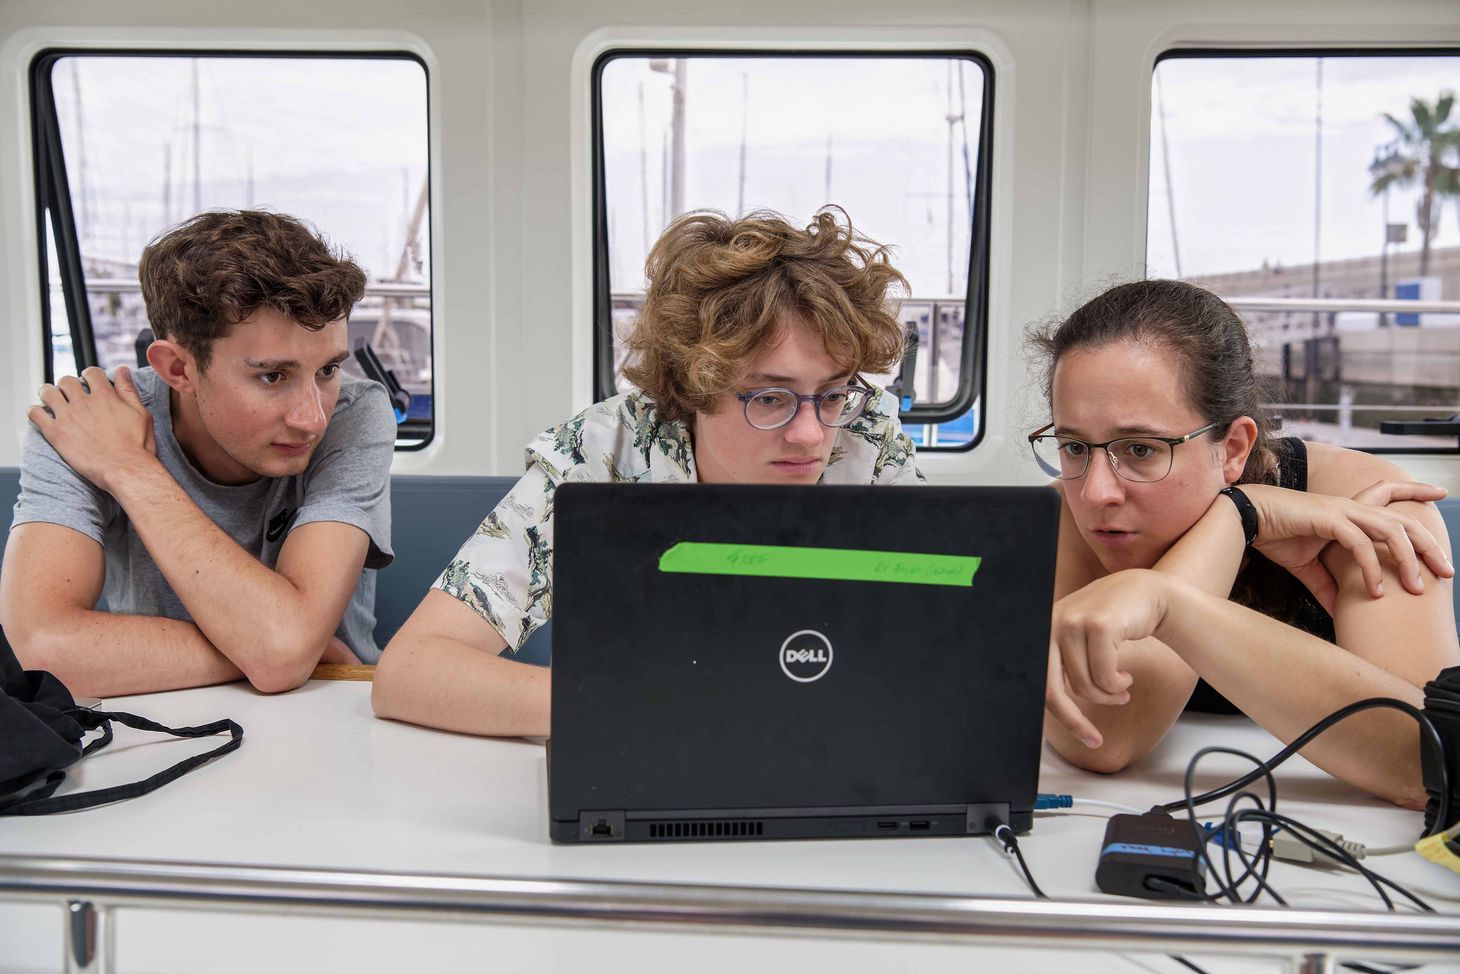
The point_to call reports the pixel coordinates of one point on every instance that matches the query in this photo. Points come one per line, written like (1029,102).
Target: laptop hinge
(985,816)
(601,826)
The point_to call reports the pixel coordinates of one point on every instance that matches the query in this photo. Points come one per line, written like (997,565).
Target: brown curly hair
(720,289)
(202,277)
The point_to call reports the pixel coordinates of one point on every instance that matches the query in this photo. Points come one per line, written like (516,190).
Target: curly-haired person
(226,498)
(748,356)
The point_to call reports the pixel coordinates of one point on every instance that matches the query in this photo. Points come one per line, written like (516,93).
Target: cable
(1010,841)
(1257,864)
(1388,850)
(1291,848)
(1095,803)
(1294,850)
(1049,802)
(1006,835)
(1427,731)
(1231,889)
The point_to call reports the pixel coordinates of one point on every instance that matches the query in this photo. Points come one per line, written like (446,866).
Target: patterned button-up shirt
(505,569)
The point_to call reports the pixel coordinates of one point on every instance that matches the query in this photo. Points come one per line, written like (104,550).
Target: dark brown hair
(720,289)
(1207,336)
(204,276)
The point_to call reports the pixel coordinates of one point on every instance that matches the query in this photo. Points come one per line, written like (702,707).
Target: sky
(339,142)
(1243,136)
(881,127)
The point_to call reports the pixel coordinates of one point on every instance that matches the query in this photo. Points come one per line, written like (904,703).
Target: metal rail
(91,888)
(383,289)
(1381,305)
(122,285)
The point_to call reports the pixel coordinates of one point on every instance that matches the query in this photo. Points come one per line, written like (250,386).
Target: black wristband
(1245,511)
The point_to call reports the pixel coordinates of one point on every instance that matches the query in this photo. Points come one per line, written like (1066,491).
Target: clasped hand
(97,427)
(1295,527)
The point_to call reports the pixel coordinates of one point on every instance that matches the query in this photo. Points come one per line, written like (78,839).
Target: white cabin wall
(511,166)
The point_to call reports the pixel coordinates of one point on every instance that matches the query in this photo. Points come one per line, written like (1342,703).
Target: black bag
(1442,707)
(41,728)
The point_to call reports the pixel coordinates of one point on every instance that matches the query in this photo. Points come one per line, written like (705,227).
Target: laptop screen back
(746,647)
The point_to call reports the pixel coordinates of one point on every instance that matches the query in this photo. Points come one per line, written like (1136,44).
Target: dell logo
(805,656)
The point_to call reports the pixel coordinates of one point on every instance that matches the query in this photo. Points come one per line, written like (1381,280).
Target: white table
(319,782)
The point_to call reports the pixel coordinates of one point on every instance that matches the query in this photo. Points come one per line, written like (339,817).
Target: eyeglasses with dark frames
(1139,459)
(774,407)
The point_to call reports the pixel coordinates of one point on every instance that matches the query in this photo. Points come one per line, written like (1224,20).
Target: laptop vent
(706,829)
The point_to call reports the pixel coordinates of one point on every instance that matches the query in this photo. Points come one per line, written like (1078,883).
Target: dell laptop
(754,662)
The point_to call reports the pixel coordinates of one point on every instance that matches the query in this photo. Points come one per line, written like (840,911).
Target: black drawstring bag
(41,728)
(1442,707)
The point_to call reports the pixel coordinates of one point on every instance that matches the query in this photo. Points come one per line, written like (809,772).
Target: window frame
(53,197)
(973,355)
(1194,52)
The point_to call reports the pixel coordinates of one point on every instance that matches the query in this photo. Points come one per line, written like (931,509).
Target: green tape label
(833,564)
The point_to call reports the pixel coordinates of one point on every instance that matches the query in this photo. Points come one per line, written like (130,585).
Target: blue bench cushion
(430,518)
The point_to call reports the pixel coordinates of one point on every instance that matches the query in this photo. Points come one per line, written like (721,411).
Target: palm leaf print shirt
(504,570)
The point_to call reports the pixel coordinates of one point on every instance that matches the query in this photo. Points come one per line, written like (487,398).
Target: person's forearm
(1210,554)
(1287,680)
(484,694)
(103,654)
(251,613)
(1161,686)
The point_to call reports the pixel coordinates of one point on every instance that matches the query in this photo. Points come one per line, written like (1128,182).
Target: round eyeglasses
(1139,459)
(770,409)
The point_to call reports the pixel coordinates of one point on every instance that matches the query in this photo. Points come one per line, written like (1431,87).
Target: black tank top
(1272,589)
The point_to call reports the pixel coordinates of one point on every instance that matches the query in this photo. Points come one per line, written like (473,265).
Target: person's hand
(1085,634)
(337,652)
(1293,528)
(97,427)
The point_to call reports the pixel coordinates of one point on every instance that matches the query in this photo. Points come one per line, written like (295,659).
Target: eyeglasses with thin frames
(1139,459)
(774,407)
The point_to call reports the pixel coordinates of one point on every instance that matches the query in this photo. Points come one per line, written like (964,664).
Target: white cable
(1390,850)
(1394,850)
(1097,803)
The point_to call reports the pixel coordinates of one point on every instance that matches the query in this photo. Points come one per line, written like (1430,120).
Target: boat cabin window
(1319,193)
(128,144)
(900,141)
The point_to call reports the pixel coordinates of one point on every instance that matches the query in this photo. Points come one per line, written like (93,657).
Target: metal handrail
(382,289)
(109,883)
(1359,407)
(400,289)
(1381,305)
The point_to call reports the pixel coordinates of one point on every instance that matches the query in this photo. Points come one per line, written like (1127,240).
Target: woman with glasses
(747,357)
(1204,562)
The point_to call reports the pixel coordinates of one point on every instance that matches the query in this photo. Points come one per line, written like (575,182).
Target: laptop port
(600,826)
(887,826)
(920,826)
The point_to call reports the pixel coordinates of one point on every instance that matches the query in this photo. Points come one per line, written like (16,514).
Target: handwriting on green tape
(834,564)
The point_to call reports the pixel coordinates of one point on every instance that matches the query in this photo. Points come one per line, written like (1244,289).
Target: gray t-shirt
(347,480)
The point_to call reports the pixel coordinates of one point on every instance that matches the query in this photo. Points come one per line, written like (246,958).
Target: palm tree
(1423,147)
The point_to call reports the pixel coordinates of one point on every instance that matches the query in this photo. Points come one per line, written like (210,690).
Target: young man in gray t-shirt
(226,498)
